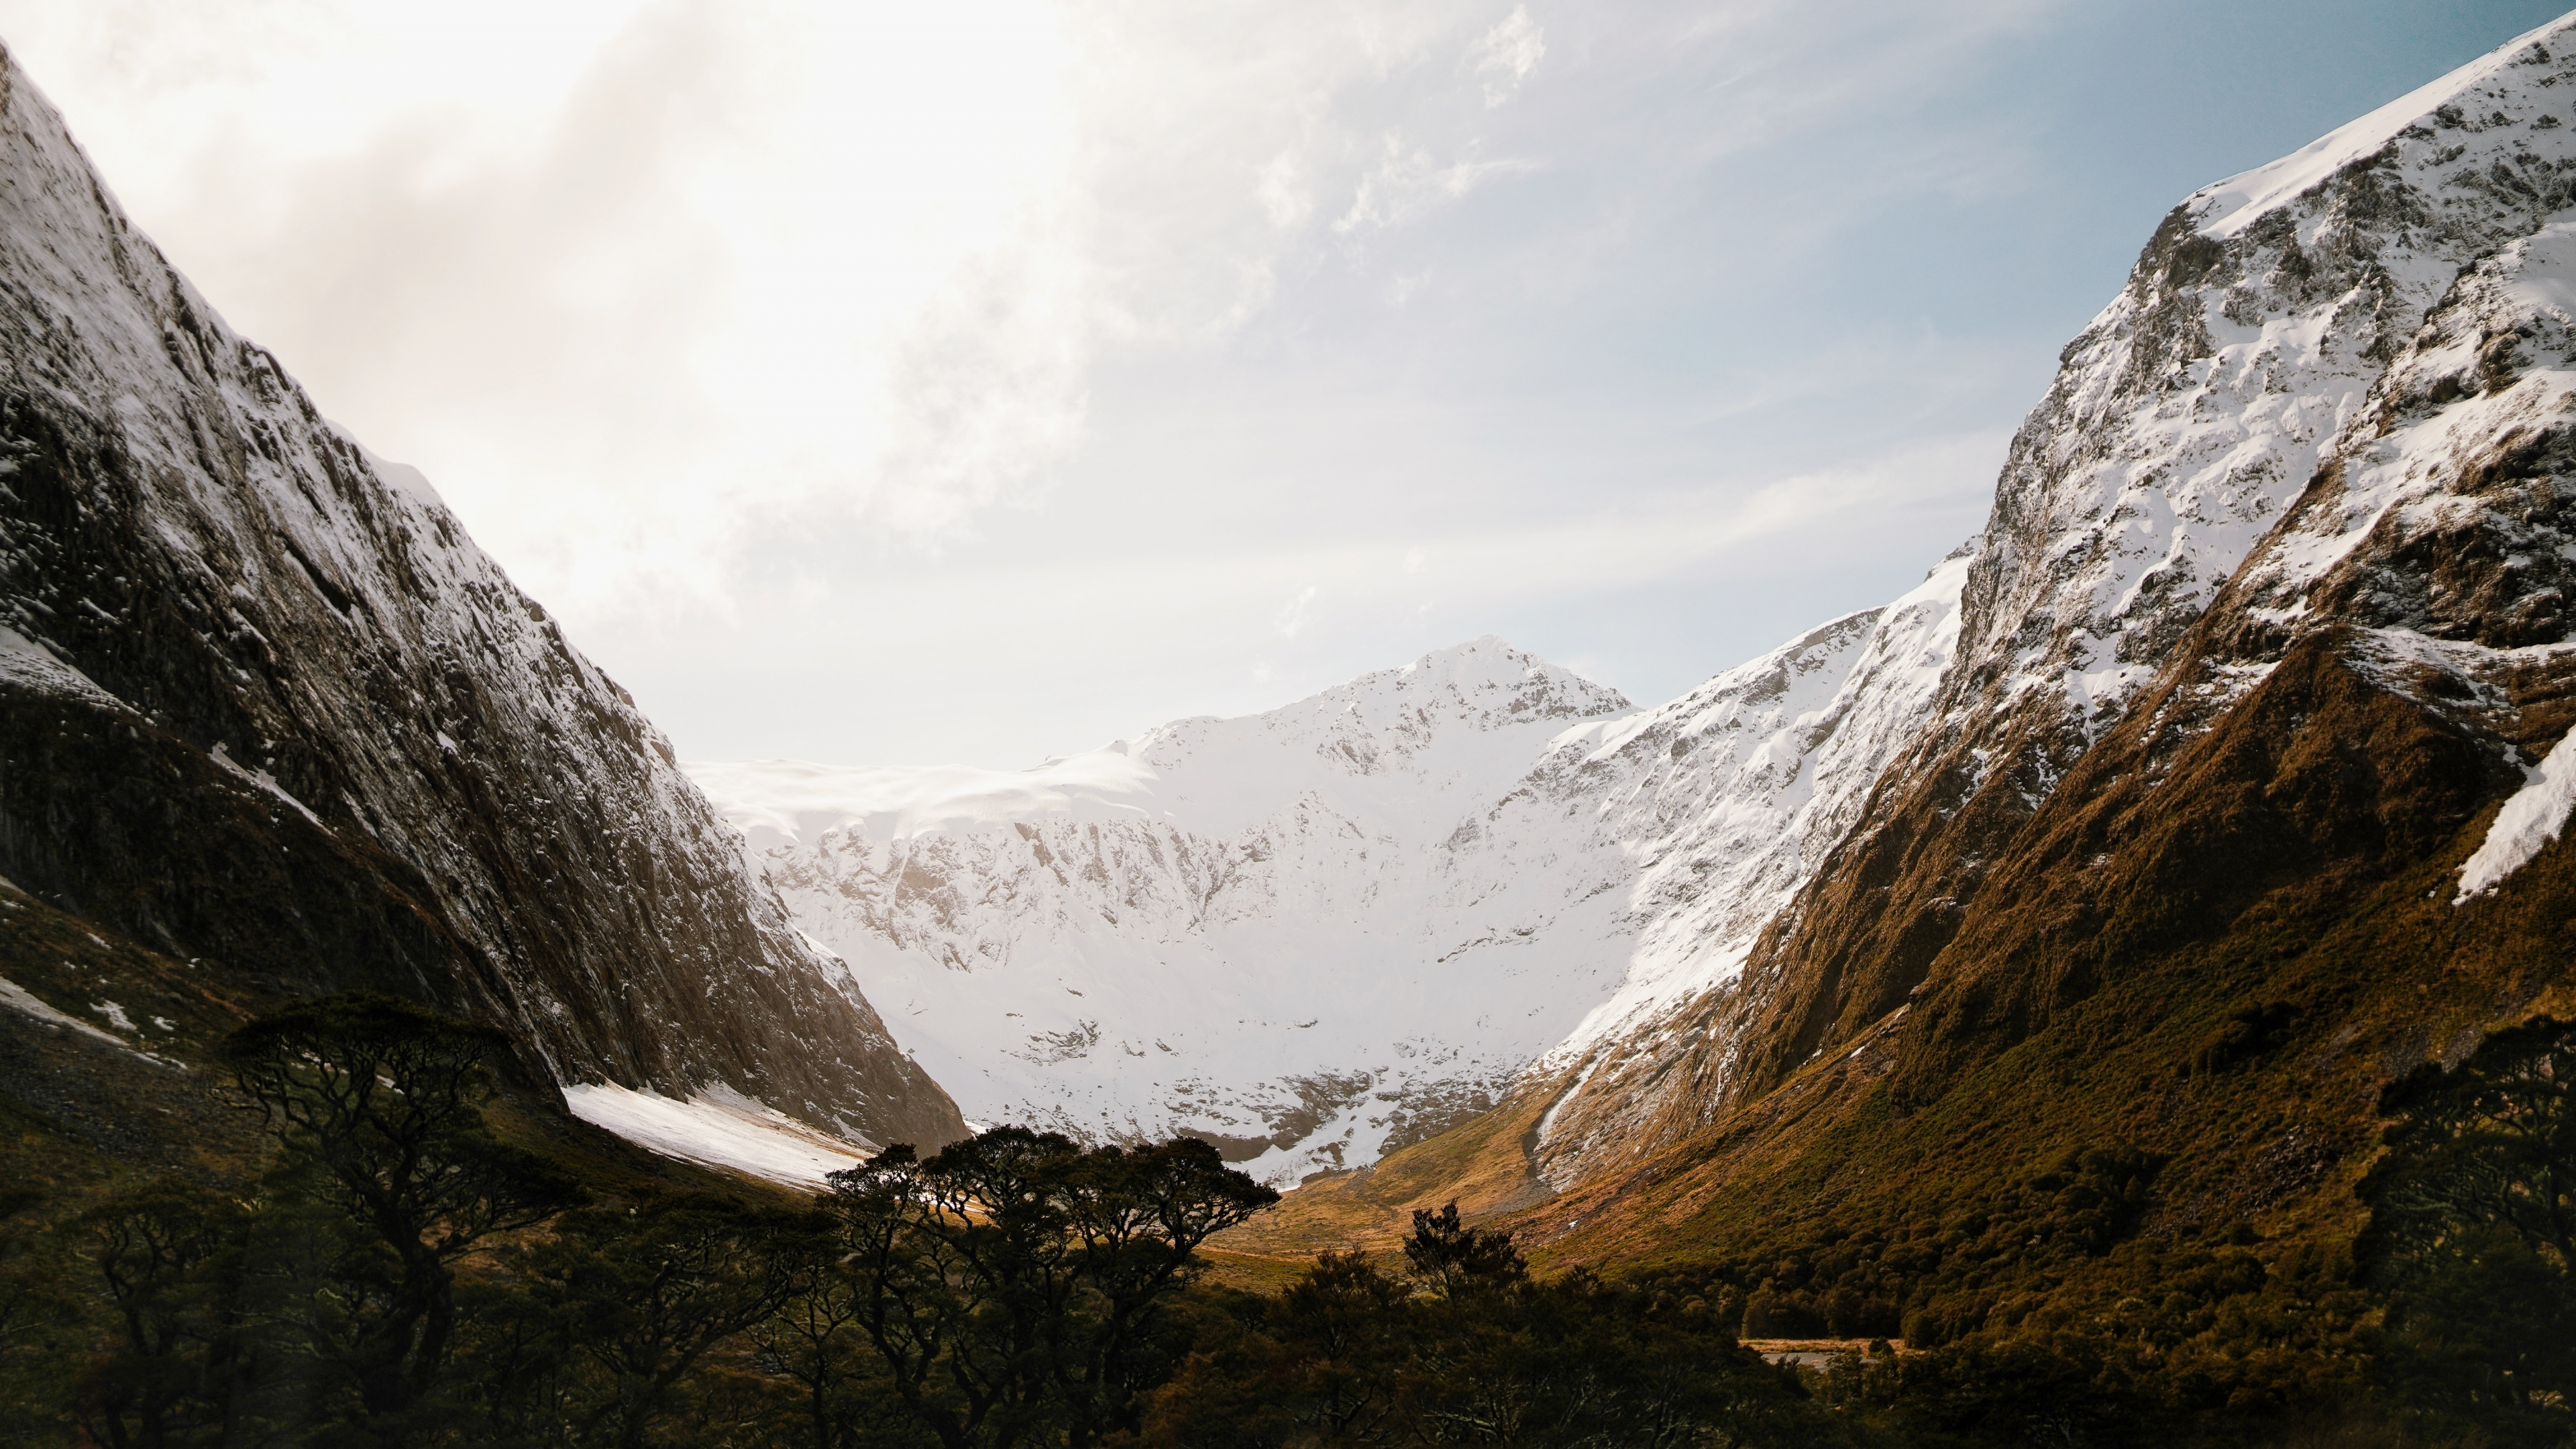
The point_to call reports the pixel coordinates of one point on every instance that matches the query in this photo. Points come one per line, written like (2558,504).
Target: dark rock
(261,707)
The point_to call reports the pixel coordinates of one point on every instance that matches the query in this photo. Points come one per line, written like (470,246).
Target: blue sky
(975,383)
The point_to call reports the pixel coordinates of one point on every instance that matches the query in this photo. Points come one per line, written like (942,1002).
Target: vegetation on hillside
(399,1272)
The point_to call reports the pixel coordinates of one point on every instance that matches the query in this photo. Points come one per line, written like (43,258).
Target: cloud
(662,276)
(1290,617)
(1509,52)
(1406,183)
(1056,334)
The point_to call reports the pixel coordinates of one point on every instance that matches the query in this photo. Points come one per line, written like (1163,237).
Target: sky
(983,381)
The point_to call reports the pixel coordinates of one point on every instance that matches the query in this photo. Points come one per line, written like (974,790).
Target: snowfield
(1316,934)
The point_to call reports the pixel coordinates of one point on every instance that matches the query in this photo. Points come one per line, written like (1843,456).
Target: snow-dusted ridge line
(213,582)
(1796,792)
(1342,923)
(2226,208)
(2193,411)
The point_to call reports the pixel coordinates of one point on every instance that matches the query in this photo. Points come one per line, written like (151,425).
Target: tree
(387,1174)
(2473,1229)
(163,1252)
(1018,1280)
(1451,1259)
(648,1293)
(811,1341)
(1328,1360)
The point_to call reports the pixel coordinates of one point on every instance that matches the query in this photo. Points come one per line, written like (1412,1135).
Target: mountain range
(2210,789)
(2263,639)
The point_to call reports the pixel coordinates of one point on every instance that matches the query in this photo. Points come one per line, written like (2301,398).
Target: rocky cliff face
(265,707)
(2315,445)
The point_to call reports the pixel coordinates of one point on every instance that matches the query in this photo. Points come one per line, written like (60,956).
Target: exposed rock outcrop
(264,706)
(2329,380)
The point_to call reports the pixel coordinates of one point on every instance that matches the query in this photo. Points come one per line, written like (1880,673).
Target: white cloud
(1283,191)
(1290,617)
(1509,52)
(1407,182)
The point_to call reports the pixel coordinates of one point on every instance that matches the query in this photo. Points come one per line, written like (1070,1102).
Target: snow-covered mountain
(1251,928)
(1320,933)
(2328,409)
(2332,380)
(266,709)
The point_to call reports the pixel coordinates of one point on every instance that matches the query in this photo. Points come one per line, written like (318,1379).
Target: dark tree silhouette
(1451,1259)
(647,1292)
(1018,1277)
(2473,1226)
(162,1252)
(377,1107)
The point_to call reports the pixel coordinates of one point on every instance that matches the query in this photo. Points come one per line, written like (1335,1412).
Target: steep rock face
(265,706)
(1724,803)
(2331,381)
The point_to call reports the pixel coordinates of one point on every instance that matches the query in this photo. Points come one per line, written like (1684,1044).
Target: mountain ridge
(268,711)
(2265,646)
(1488,873)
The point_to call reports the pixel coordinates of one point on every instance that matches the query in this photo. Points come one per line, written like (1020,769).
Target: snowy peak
(1467,711)
(1379,721)
(1322,931)
(1484,684)
(2193,412)
(2483,103)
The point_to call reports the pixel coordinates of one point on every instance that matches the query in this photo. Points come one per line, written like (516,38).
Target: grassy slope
(1482,1165)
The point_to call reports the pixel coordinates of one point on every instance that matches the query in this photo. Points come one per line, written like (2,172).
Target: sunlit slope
(2190,862)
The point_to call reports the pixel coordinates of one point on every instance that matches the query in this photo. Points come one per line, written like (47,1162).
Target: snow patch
(32,666)
(718,1128)
(2529,821)
(19,999)
(263,781)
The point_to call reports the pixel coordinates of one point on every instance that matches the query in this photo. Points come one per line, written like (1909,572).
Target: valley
(2127,971)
